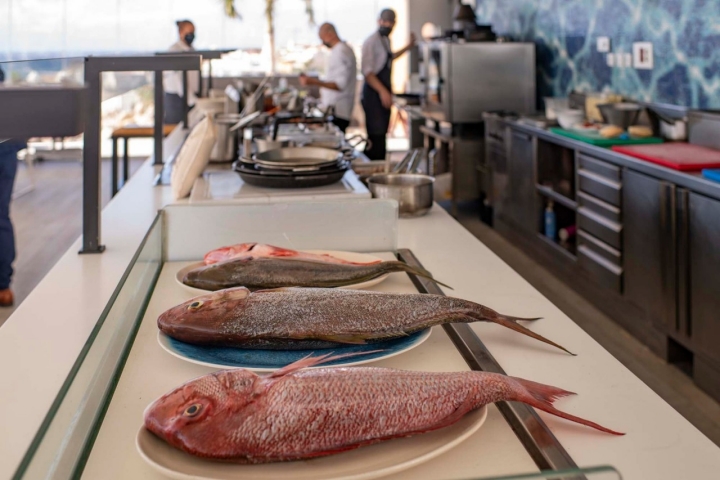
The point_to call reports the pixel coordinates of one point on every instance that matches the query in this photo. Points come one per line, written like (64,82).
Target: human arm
(407,47)
(367,62)
(312,81)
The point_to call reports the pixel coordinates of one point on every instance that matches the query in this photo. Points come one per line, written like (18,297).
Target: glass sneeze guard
(64,440)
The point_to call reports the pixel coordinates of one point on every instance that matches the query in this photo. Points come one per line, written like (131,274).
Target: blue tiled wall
(685,36)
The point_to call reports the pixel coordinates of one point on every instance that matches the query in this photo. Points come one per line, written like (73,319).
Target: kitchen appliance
(622,115)
(675,155)
(225,149)
(463,80)
(413,192)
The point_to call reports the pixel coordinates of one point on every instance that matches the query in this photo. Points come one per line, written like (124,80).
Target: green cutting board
(594,138)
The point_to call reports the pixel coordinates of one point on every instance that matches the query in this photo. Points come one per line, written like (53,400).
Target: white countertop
(222,185)
(42,339)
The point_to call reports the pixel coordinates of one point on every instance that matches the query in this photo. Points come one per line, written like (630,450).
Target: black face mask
(385,31)
(189,38)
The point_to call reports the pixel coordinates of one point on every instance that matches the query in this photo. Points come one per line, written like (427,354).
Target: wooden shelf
(557,197)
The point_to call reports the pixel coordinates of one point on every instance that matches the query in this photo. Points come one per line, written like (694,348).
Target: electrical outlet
(643,55)
(603,44)
(610,58)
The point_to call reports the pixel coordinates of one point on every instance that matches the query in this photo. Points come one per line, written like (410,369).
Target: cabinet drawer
(611,212)
(599,269)
(601,228)
(598,186)
(601,248)
(600,167)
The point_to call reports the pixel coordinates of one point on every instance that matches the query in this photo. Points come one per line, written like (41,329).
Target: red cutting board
(679,156)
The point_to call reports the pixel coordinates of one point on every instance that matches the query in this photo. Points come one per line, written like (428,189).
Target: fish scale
(297,414)
(305,318)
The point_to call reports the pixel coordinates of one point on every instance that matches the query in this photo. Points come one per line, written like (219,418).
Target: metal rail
(94,68)
(542,446)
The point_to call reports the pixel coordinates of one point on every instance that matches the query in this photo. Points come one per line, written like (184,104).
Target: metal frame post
(94,67)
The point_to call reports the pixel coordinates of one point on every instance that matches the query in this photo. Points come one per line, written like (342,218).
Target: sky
(71,27)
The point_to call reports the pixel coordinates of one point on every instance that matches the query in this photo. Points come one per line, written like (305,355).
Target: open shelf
(565,217)
(557,197)
(556,168)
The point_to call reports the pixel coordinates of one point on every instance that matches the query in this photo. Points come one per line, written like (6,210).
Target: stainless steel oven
(463,80)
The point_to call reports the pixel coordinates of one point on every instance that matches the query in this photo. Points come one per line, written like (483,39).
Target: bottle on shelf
(550,221)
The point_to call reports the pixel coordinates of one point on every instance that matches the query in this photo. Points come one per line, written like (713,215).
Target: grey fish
(259,273)
(307,318)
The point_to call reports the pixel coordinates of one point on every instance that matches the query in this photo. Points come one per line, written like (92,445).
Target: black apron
(377,117)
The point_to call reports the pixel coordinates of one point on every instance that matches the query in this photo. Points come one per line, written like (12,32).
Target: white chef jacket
(375,53)
(341,70)
(173,81)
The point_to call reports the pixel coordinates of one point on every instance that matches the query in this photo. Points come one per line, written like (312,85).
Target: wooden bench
(126,133)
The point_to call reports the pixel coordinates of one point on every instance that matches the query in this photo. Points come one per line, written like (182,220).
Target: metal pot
(224,149)
(413,192)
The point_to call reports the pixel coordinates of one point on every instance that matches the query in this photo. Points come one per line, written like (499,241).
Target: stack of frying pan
(294,167)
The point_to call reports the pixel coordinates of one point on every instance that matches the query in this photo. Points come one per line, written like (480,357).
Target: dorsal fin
(309,361)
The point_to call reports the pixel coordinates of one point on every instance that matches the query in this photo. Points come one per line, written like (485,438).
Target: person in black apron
(377,90)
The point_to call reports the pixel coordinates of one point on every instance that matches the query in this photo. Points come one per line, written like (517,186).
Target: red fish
(259,250)
(294,414)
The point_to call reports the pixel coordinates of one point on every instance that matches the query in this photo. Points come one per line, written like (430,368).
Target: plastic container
(555,104)
(550,221)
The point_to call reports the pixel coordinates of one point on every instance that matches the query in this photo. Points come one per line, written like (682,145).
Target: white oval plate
(272,360)
(349,256)
(364,463)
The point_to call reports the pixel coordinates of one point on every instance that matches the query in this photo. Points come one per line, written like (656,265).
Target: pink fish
(294,413)
(259,250)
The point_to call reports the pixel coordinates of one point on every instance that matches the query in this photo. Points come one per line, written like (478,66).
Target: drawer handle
(599,260)
(616,227)
(599,178)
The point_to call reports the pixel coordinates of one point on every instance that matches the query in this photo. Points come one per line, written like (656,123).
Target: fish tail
(511,323)
(542,397)
(419,271)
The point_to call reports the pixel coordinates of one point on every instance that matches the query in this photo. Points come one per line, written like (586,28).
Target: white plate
(364,463)
(271,360)
(348,256)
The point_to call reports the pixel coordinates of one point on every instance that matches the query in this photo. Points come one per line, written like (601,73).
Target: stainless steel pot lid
(298,156)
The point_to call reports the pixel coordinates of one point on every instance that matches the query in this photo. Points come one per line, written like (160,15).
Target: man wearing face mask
(173,81)
(377,99)
(338,88)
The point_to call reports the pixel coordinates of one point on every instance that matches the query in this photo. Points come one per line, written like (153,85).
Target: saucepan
(414,192)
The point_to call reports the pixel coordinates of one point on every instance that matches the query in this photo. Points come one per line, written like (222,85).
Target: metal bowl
(413,192)
(622,115)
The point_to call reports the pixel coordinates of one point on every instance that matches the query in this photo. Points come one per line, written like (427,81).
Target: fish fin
(511,323)
(420,272)
(542,397)
(310,361)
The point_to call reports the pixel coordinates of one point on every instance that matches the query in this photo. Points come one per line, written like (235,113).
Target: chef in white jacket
(173,81)
(337,89)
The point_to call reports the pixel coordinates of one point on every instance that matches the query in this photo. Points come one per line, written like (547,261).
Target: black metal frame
(94,68)
(545,449)
(206,55)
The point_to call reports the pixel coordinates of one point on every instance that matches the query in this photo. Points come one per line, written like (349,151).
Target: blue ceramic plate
(271,360)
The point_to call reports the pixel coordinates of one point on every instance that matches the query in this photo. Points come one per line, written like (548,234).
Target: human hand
(413,39)
(386,98)
(304,80)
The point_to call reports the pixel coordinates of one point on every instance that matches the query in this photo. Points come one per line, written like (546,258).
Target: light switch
(627,60)
(610,57)
(603,44)
(643,55)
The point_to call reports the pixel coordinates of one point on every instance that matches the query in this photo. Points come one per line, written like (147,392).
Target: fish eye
(193,410)
(195,305)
